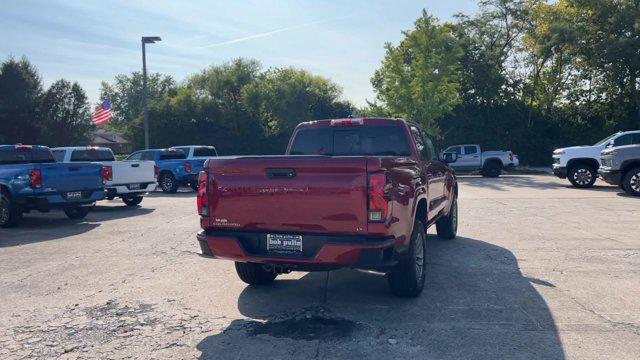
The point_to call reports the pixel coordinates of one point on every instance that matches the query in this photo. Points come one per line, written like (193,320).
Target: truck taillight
(187,167)
(35,178)
(155,171)
(107,174)
(202,194)
(511,155)
(378,204)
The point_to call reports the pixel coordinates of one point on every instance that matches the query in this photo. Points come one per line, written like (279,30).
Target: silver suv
(621,166)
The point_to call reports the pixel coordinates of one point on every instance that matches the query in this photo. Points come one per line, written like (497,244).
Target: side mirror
(449,157)
(611,144)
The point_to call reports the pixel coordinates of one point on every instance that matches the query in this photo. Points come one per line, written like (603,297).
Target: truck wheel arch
(493,160)
(583,161)
(628,165)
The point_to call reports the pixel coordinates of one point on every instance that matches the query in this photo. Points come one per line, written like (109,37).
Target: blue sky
(89,42)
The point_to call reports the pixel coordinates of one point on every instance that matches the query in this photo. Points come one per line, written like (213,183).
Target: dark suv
(621,166)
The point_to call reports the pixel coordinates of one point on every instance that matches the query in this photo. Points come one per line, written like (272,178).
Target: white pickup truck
(580,164)
(489,163)
(197,151)
(129,180)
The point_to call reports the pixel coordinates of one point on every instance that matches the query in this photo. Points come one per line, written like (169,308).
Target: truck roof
(352,121)
(81,148)
(37,147)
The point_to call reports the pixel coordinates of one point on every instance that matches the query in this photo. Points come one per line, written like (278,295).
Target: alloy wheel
(4,211)
(635,182)
(583,176)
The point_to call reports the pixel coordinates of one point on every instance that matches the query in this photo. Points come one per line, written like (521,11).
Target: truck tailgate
(131,172)
(70,176)
(306,194)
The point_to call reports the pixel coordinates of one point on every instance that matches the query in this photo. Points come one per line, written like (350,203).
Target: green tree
(65,115)
(419,79)
(125,95)
(285,97)
(20,92)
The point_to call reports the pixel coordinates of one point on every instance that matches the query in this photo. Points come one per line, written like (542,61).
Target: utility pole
(145,108)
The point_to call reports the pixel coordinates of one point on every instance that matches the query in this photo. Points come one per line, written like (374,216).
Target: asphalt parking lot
(539,271)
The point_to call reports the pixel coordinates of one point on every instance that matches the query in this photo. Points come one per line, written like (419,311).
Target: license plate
(134,187)
(74,195)
(284,243)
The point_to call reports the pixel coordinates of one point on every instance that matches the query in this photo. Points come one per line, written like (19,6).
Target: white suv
(580,163)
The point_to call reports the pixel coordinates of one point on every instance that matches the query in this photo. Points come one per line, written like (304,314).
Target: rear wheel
(132,200)
(78,212)
(407,278)
(168,183)
(10,213)
(254,274)
(447,226)
(631,182)
(582,176)
(492,169)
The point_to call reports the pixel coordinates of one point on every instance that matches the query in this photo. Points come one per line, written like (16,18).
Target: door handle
(475,157)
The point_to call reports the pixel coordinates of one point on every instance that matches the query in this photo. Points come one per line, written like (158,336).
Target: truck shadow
(182,193)
(540,182)
(37,227)
(476,304)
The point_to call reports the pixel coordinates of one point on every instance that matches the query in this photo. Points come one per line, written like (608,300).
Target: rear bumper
(320,252)
(610,176)
(560,171)
(58,201)
(122,189)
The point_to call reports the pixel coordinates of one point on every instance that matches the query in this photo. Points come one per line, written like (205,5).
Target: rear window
(351,141)
(25,156)
(92,155)
(205,151)
(172,155)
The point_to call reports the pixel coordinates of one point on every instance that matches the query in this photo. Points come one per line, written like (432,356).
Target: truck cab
(173,167)
(489,163)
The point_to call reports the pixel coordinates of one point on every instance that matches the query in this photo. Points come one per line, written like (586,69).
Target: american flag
(103,114)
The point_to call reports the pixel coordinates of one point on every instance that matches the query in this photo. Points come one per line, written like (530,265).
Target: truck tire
(407,278)
(254,274)
(10,213)
(132,200)
(447,226)
(168,183)
(194,186)
(631,182)
(492,169)
(582,176)
(77,212)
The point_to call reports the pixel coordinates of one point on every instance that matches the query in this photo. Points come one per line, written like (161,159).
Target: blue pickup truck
(174,169)
(30,179)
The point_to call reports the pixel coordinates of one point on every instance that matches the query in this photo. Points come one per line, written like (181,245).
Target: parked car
(621,166)
(174,169)
(30,179)
(580,164)
(129,180)
(489,163)
(197,151)
(356,193)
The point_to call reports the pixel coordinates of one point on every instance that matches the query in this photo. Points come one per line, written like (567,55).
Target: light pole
(146,40)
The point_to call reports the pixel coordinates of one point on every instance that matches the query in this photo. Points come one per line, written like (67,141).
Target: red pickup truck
(356,193)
